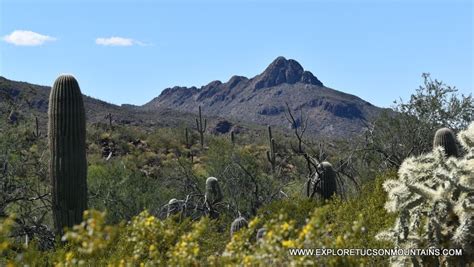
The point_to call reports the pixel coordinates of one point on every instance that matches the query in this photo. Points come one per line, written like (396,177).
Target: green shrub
(289,223)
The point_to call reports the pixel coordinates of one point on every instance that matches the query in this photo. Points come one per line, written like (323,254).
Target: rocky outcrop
(260,100)
(263,100)
(281,71)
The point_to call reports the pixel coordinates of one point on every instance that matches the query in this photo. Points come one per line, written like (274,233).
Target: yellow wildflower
(69,256)
(247,260)
(149,221)
(253,223)
(270,234)
(306,229)
(288,244)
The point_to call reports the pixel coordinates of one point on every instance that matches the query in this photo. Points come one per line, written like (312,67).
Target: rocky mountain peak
(235,80)
(283,70)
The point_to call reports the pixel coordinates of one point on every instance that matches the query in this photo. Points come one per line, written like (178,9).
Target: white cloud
(27,38)
(117,41)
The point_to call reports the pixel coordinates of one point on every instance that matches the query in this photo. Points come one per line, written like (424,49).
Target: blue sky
(376,50)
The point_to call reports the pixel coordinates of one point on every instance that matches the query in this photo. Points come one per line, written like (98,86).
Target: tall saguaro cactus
(232,138)
(110,118)
(200,127)
(67,145)
(37,132)
(271,154)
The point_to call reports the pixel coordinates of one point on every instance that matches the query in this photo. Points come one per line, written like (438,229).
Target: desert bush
(408,129)
(24,187)
(122,192)
(290,223)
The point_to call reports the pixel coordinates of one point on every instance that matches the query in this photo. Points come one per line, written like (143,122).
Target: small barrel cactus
(327,186)
(445,138)
(261,232)
(238,224)
(213,191)
(67,145)
(174,207)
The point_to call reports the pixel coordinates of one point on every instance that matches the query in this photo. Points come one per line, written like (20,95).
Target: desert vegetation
(105,193)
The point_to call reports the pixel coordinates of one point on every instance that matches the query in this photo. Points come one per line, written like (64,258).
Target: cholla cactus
(434,196)
(238,224)
(445,138)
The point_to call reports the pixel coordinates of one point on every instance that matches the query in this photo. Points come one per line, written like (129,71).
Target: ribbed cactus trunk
(446,138)
(327,184)
(213,196)
(67,144)
(238,224)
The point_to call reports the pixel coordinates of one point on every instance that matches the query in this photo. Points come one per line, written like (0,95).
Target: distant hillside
(262,100)
(35,99)
(239,102)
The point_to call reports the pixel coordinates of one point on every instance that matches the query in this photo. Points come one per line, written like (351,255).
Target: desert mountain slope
(262,100)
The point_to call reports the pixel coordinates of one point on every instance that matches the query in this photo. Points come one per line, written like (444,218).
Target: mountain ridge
(261,100)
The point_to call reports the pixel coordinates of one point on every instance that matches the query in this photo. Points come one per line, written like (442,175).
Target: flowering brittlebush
(88,239)
(186,251)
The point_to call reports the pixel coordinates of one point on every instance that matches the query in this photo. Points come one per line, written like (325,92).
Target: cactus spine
(327,186)
(271,154)
(200,127)
(67,145)
(445,138)
(238,224)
